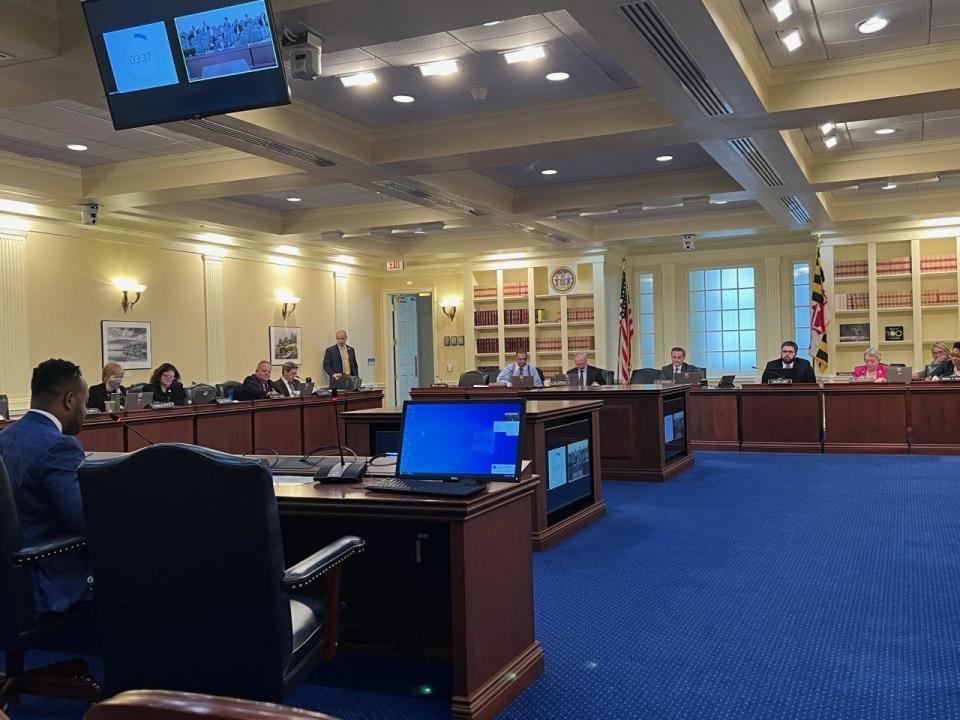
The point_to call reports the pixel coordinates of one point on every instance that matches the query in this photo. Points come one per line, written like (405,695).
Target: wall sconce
(126,287)
(289,303)
(449,308)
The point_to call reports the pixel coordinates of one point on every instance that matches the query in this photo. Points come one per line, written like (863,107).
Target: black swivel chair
(191,590)
(644,376)
(231,386)
(540,373)
(21,627)
(473,377)
(608,377)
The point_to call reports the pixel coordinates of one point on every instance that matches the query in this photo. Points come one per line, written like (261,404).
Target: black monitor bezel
(196,116)
(478,478)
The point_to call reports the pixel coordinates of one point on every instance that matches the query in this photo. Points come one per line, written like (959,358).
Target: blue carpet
(754,586)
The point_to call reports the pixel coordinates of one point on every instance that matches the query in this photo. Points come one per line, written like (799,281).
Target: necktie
(345,359)
(582,379)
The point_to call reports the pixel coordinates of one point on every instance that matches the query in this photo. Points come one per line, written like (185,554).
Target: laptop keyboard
(426,487)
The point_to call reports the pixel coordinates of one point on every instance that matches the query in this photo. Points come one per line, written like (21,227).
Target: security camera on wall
(688,242)
(303,51)
(89,213)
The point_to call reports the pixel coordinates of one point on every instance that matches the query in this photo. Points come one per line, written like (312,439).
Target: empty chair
(473,377)
(20,626)
(644,376)
(170,705)
(231,388)
(608,376)
(190,585)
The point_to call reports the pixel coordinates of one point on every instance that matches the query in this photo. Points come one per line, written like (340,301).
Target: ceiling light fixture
(358,79)
(827,128)
(558,76)
(889,186)
(491,23)
(781,10)
(568,214)
(403,98)
(548,171)
(791,40)
(872,25)
(715,201)
(294,199)
(439,68)
(664,158)
(830,142)
(524,54)
(77,147)
(884,131)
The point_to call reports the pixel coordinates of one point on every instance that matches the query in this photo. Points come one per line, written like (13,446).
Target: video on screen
(231,40)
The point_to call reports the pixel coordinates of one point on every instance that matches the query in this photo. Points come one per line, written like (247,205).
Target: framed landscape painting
(126,343)
(285,344)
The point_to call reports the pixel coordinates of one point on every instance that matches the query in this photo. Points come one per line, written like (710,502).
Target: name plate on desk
(779,381)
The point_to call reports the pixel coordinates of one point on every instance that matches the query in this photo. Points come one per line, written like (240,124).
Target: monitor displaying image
(229,40)
(140,57)
(569,468)
(674,428)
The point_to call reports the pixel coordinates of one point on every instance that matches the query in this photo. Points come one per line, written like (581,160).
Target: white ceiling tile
(905,19)
(862,134)
(545,36)
(944,33)
(424,43)
(831,6)
(941,128)
(945,12)
(868,45)
(516,26)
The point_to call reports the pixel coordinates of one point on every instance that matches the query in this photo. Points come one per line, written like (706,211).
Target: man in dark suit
(42,458)
(789,366)
(677,365)
(583,374)
(288,385)
(258,385)
(340,359)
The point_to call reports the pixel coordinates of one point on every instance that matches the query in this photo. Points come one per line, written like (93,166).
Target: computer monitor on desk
(478,440)
(569,468)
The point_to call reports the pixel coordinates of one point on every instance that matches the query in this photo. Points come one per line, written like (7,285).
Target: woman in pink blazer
(872,370)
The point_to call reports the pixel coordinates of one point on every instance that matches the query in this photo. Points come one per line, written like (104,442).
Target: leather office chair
(169,705)
(191,590)
(20,626)
(608,377)
(473,377)
(232,386)
(540,373)
(644,376)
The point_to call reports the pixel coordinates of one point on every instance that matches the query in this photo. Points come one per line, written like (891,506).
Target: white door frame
(390,379)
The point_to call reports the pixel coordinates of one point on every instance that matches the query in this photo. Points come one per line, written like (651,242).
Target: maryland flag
(819,318)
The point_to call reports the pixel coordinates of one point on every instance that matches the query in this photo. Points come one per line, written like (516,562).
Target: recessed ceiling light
(403,98)
(440,67)
(889,186)
(77,147)
(558,76)
(827,128)
(781,10)
(884,131)
(872,25)
(294,198)
(524,54)
(791,40)
(491,23)
(548,171)
(664,158)
(358,79)
(830,142)
(714,201)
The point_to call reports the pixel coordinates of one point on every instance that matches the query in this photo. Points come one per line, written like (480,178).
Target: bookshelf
(901,293)
(511,308)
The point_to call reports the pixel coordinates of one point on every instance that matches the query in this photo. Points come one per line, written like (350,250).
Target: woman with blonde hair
(112,376)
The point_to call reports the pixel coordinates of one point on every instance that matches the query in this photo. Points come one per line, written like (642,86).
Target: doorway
(412,341)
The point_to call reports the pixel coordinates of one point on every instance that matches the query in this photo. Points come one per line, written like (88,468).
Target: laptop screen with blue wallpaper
(473,439)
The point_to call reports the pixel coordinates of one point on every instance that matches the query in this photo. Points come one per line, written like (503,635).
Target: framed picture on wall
(286,343)
(854,332)
(126,343)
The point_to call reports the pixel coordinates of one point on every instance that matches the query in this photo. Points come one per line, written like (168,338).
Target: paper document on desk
(292,480)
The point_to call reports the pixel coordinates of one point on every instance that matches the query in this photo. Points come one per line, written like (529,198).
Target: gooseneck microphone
(342,472)
(123,421)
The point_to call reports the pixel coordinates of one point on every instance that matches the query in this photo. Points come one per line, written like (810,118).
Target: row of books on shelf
(895,266)
(549,344)
(550,371)
(852,301)
(516,344)
(490,318)
(510,289)
(940,296)
(580,342)
(579,314)
(895,299)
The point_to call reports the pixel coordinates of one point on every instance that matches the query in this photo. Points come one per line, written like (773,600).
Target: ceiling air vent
(271,145)
(438,200)
(751,154)
(797,211)
(646,19)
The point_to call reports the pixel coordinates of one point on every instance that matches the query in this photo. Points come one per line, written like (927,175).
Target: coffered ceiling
(679,117)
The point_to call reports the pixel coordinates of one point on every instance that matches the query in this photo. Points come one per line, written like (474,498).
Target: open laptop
(899,374)
(137,400)
(204,394)
(689,378)
(524,381)
(455,448)
(726,381)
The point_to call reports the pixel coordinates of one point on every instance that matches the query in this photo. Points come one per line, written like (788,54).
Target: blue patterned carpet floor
(753,586)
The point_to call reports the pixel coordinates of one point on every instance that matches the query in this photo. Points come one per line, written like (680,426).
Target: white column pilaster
(213,305)
(15,370)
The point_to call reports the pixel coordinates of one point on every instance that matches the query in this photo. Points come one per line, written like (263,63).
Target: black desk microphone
(331,471)
(123,421)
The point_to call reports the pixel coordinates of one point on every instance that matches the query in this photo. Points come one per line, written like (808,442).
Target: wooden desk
(450,578)
(781,418)
(713,418)
(934,413)
(865,417)
(540,416)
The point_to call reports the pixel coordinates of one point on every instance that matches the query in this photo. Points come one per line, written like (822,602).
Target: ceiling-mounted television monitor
(166,60)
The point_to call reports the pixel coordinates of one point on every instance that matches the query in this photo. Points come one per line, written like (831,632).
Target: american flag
(626,327)
(819,318)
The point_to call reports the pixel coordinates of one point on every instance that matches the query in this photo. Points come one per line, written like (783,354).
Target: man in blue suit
(42,458)
(340,359)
